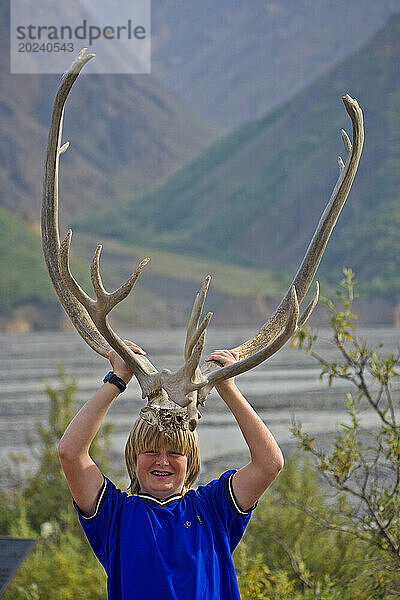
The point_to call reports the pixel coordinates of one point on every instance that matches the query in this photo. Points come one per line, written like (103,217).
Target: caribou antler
(50,236)
(90,316)
(312,258)
(305,274)
(190,385)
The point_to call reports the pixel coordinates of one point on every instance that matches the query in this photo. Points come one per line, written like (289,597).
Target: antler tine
(252,361)
(110,300)
(50,236)
(306,314)
(72,285)
(312,258)
(346,141)
(97,283)
(192,328)
(181,384)
(340,164)
(98,310)
(124,290)
(199,337)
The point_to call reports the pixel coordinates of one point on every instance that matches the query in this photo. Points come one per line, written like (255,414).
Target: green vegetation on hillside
(24,280)
(256,196)
(23,274)
(234,280)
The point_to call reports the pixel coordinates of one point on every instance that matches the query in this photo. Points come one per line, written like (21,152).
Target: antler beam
(50,235)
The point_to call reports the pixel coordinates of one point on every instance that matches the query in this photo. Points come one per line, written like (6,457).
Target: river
(283,389)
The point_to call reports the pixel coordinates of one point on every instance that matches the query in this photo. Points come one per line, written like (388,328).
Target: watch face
(108,376)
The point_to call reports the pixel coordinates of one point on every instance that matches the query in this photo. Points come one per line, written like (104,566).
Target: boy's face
(161,472)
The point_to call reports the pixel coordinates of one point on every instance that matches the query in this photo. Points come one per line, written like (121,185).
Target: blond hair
(144,437)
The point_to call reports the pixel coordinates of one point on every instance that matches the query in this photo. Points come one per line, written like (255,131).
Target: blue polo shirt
(176,549)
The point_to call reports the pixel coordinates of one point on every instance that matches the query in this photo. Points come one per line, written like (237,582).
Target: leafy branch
(362,464)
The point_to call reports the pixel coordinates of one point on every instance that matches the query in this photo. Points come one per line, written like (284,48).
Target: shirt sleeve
(100,526)
(221,500)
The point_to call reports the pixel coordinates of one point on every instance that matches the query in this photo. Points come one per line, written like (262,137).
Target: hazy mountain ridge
(235,60)
(256,196)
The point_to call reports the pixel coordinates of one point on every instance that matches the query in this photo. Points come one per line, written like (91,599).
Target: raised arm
(251,481)
(84,477)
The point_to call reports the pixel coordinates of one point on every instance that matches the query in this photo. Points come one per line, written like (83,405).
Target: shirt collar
(169,500)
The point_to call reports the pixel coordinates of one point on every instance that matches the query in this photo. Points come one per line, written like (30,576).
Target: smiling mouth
(161,473)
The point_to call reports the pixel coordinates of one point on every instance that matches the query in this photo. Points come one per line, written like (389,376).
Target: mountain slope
(256,196)
(127,133)
(162,298)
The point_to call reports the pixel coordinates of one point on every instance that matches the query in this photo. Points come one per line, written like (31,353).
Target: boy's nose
(162,458)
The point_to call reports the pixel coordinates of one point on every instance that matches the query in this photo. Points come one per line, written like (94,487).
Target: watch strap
(115,380)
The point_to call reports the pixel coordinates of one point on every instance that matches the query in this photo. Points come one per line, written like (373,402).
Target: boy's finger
(226,353)
(213,356)
(215,353)
(223,356)
(134,347)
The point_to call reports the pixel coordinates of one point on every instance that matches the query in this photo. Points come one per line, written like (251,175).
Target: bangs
(150,438)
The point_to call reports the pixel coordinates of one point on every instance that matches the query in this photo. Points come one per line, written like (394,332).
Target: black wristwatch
(112,378)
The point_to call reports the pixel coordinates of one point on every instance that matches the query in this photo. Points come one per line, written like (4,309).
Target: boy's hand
(225,357)
(119,366)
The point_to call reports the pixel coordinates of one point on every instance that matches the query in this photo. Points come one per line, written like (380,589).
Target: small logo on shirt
(188,524)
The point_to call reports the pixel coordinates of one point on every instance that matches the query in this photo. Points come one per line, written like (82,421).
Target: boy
(166,542)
